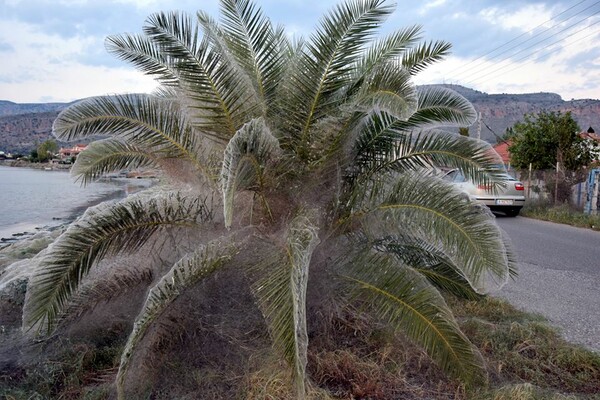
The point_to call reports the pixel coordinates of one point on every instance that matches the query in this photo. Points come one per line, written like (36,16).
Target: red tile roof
(502,150)
(590,135)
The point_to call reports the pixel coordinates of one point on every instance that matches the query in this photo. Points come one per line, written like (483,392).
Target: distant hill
(21,133)
(10,108)
(23,126)
(501,111)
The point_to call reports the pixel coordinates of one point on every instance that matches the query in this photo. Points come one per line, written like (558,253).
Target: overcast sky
(53,50)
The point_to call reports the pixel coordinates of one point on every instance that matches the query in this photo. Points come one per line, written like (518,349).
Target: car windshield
(457,177)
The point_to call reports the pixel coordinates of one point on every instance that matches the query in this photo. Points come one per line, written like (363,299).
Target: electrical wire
(535,52)
(543,40)
(525,34)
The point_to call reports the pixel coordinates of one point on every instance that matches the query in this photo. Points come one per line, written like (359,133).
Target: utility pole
(479,126)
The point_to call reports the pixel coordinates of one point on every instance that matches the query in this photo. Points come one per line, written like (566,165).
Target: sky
(53,50)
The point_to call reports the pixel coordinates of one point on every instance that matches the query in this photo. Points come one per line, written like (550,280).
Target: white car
(509,199)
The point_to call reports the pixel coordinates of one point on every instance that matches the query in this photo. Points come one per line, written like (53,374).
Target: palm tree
(319,153)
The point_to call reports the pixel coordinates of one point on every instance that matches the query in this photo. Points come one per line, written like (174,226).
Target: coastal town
(62,159)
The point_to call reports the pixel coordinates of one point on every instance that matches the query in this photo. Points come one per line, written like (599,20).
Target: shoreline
(13,233)
(38,166)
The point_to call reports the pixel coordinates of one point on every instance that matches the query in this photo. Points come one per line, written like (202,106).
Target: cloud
(54,41)
(523,19)
(83,81)
(6,47)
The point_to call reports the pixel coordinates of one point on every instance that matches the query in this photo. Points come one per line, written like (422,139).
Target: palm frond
(104,289)
(428,260)
(282,295)
(109,155)
(381,52)
(448,278)
(440,107)
(419,58)
(380,148)
(389,48)
(165,92)
(184,274)
(143,54)
(373,142)
(404,299)
(256,44)
(107,229)
(476,159)
(389,88)
(220,90)
(142,120)
(244,162)
(433,210)
(325,64)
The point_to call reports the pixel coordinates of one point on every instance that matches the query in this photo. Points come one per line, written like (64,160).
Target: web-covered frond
(433,210)
(104,230)
(325,64)
(143,54)
(419,58)
(245,160)
(218,92)
(103,289)
(109,155)
(256,44)
(389,48)
(183,275)
(388,88)
(141,120)
(404,299)
(382,148)
(427,259)
(281,292)
(375,136)
(439,107)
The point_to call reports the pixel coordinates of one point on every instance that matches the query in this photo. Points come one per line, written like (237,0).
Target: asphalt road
(559,276)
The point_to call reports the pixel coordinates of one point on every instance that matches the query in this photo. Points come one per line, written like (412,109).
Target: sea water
(33,199)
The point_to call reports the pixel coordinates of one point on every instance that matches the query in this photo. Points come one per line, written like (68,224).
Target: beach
(34,200)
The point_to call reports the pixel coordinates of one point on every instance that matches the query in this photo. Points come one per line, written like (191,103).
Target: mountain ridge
(8,108)
(500,111)
(24,125)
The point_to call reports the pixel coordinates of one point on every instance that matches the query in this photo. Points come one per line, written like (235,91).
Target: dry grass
(350,357)
(522,348)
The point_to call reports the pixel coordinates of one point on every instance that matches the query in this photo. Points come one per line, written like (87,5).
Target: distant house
(590,134)
(593,140)
(502,150)
(71,152)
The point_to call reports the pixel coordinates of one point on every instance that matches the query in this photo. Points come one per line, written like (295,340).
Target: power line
(530,61)
(525,33)
(543,40)
(535,52)
(498,138)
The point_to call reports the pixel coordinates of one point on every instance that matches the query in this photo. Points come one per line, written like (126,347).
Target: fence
(577,188)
